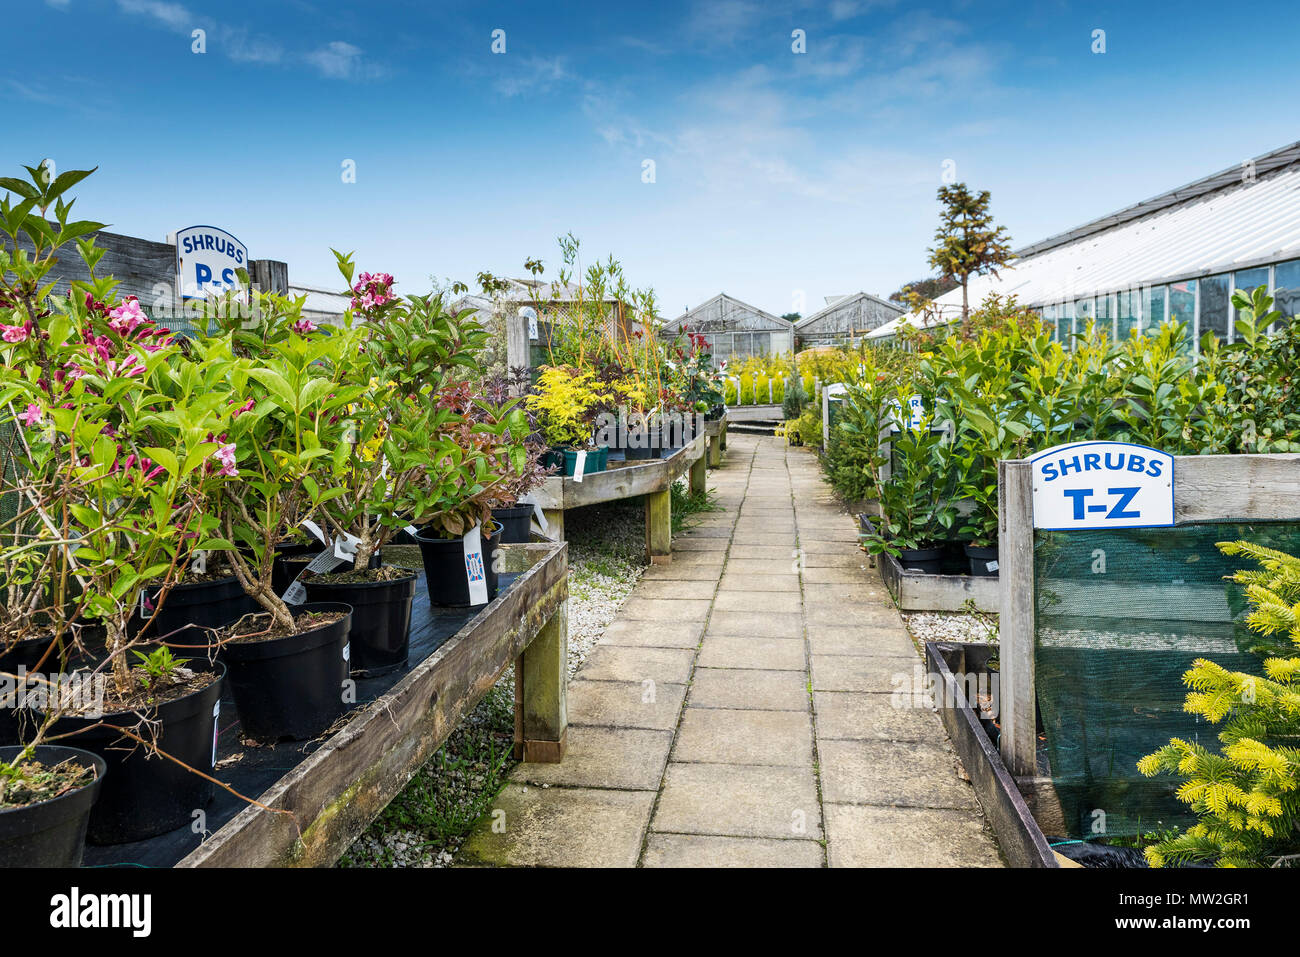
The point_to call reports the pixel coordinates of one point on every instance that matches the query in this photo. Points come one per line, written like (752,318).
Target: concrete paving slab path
(739,711)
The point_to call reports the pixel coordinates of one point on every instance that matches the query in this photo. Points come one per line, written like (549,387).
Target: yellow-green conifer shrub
(1246,795)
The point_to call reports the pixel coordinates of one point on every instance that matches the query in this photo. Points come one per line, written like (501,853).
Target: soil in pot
(445,571)
(290,685)
(928,560)
(144,794)
(516,524)
(983,561)
(380,598)
(44,824)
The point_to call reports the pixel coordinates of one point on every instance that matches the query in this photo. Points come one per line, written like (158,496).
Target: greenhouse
(1179,255)
(734,328)
(845,319)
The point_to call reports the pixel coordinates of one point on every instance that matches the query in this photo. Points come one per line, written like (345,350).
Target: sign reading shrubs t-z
(207,261)
(1102,485)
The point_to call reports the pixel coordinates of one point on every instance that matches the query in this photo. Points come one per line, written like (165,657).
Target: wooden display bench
(652,478)
(320,795)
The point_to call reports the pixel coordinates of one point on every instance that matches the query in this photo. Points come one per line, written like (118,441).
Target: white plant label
(475,569)
(580,466)
(345,548)
(315,530)
(347,651)
(216,730)
(411,529)
(322,564)
(539,514)
(991,566)
(1102,485)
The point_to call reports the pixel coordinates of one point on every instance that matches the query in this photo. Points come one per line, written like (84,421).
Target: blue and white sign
(1102,485)
(207,259)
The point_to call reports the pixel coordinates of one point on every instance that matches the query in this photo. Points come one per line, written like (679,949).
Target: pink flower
(304,326)
(246,407)
(17,333)
(126,317)
(226,456)
(32,416)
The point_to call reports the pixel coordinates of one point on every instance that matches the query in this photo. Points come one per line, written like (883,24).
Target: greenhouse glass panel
(1214,307)
(722,345)
(1182,308)
(1153,309)
(1106,314)
(1126,314)
(1286,288)
(1082,313)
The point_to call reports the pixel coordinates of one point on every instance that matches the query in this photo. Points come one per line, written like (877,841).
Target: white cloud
(171,15)
(530,74)
(337,60)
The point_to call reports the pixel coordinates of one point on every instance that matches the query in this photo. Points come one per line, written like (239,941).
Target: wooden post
(518,352)
(722,434)
(1016,621)
(554,523)
(269,275)
(699,472)
(543,709)
(715,449)
(659,527)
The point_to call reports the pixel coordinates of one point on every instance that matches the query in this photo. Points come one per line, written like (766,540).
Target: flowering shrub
(112,461)
(413,450)
(288,397)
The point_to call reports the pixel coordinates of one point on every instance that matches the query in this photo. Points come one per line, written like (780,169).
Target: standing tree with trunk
(968,244)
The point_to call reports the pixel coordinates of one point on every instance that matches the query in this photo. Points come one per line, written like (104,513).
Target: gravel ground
(425,825)
(953,626)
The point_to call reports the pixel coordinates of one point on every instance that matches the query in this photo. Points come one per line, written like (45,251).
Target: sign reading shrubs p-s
(1102,485)
(207,261)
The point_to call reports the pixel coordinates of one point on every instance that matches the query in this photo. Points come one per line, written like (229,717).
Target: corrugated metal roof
(1230,228)
(322,301)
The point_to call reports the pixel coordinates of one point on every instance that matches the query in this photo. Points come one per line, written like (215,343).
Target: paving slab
(866,641)
(630,759)
(671,588)
(781,601)
(907,837)
(738,800)
(723,736)
(761,624)
(654,634)
(766,654)
(665,609)
(625,704)
(705,850)
(869,716)
(749,688)
(913,774)
(660,665)
(560,827)
(764,583)
(859,673)
(676,572)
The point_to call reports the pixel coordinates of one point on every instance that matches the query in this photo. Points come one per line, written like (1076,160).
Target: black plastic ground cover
(260,768)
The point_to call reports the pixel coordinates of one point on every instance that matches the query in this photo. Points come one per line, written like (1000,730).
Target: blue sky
(780,178)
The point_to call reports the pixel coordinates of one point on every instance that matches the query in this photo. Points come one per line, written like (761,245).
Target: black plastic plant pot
(292,687)
(445,572)
(290,559)
(380,638)
(145,795)
(983,561)
(51,833)
(928,560)
(515,522)
(23,657)
(640,454)
(192,612)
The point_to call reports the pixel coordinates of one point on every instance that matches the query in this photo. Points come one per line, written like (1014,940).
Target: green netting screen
(1119,617)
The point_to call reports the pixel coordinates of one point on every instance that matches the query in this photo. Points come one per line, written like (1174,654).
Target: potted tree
(288,661)
(115,419)
(383,475)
